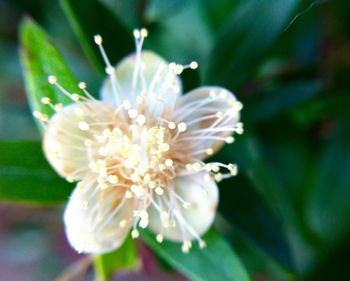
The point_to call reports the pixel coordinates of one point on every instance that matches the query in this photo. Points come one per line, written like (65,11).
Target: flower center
(138,157)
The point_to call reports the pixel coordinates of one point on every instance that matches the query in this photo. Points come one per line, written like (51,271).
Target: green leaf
(40,59)
(254,219)
(327,199)
(253,28)
(328,106)
(91,17)
(125,258)
(280,99)
(215,262)
(26,177)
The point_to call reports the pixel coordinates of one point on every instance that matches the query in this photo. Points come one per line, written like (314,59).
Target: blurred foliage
(287,212)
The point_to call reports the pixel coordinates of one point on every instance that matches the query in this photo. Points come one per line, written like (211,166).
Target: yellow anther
(171,125)
(113,179)
(132,113)
(45,100)
(37,114)
(128,194)
(122,223)
(144,32)
(83,126)
(52,79)
(75,97)
(194,65)
(169,162)
(159,190)
(98,39)
(202,244)
(110,70)
(186,205)
(135,234)
(141,119)
(182,127)
(137,33)
(58,107)
(82,85)
(218,177)
(152,184)
(229,139)
(159,238)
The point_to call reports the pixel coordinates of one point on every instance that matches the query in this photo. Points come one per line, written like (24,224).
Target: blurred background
(287,214)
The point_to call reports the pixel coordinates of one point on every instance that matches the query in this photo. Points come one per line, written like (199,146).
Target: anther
(58,107)
(218,177)
(141,119)
(75,97)
(52,79)
(128,194)
(144,32)
(137,33)
(186,205)
(98,39)
(82,85)
(159,190)
(202,244)
(135,234)
(45,100)
(113,179)
(110,70)
(229,139)
(159,238)
(37,114)
(169,162)
(83,126)
(194,65)
(122,223)
(171,125)
(182,127)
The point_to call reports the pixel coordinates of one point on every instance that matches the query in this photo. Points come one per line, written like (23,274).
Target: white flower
(137,154)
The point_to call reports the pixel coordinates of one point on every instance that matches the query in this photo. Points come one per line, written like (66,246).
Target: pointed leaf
(124,258)
(26,177)
(253,28)
(40,58)
(215,262)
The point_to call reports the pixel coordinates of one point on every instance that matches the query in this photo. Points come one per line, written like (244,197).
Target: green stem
(100,271)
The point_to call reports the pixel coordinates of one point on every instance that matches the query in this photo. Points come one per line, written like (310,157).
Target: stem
(100,271)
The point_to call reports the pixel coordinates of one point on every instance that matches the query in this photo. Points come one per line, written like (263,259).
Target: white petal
(94,218)
(201,110)
(159,90)
(191,221)
(67,133)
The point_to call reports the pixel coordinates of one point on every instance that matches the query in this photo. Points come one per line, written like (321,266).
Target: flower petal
(67,136)
(194,215)
(156,82)
(211,115)
(97,220)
